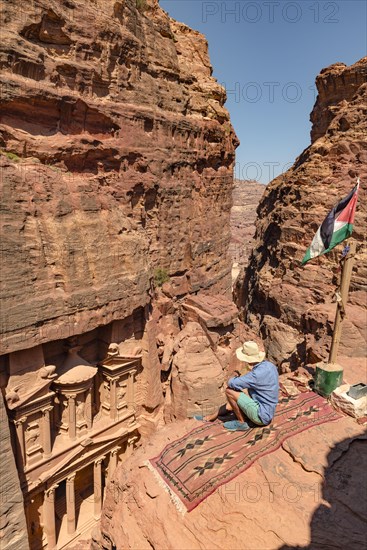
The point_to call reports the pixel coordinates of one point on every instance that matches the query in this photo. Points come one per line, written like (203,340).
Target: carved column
(97,484)
(72,416)
(113,402)
(118,377)
(130,445)
(130,391)
(46,432)
(27,505)
(88,409)
(70,504)
(106,475)
(113,462)
(74,385)
(20,437)
(49,517)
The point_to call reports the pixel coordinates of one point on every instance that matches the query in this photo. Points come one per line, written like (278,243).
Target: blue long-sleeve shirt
(263,385)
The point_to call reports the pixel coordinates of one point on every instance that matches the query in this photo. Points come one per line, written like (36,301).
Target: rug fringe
(175,499)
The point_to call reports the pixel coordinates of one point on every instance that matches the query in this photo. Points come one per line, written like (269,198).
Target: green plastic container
(327,378)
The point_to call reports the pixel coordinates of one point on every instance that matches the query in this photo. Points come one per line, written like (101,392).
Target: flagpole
(342,300)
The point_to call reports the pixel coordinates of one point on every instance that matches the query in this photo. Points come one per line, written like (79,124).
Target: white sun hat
(249,352)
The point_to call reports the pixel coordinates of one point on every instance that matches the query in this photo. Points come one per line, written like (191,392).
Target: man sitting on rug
(253,396)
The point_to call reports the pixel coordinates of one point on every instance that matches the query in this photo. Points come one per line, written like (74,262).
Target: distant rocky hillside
(292,305)
(246,196)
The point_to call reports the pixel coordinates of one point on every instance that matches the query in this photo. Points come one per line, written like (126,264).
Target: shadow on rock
(340,521)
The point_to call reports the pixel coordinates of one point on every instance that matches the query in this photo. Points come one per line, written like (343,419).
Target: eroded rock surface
(13,528)
(188,356)
(116,162)
(292,305)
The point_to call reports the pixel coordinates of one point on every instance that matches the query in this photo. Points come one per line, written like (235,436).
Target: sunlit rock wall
(292,306)
(117,157)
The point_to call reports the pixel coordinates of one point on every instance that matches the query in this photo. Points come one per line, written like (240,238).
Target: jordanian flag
(337,226)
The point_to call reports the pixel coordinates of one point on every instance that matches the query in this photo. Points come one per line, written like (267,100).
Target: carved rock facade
(71,424)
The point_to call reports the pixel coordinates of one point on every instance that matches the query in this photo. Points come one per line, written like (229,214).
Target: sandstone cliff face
(116,161)
(188,356)
(292,305)
(13,527)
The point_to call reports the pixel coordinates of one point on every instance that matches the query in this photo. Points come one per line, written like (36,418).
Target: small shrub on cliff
(141,5)
(54,168)
(160,276)
(10,156)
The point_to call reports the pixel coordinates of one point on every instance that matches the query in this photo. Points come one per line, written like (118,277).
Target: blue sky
(267,55)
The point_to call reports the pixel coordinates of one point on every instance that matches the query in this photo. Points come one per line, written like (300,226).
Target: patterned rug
(195,465)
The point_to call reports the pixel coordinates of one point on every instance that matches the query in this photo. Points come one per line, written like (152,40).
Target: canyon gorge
(292,306)
(118,322)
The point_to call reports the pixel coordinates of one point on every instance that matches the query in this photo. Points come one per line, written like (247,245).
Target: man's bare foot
(208,418)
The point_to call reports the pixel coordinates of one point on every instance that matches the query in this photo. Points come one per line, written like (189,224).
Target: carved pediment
(20,396)
(29,377)
(86,452)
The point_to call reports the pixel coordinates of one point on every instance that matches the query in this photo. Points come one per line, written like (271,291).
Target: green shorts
(250,408)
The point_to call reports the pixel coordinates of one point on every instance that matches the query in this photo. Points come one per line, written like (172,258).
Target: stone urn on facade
(74,389)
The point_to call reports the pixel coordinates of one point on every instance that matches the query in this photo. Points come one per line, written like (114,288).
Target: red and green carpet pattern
(195,465)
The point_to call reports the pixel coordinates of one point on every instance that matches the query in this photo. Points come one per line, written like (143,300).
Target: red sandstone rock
(117,158)
(117,170)
(355,369)
(13,526)
(292,306)
(194,349)
(198,380)
(212,311)
(280,500)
